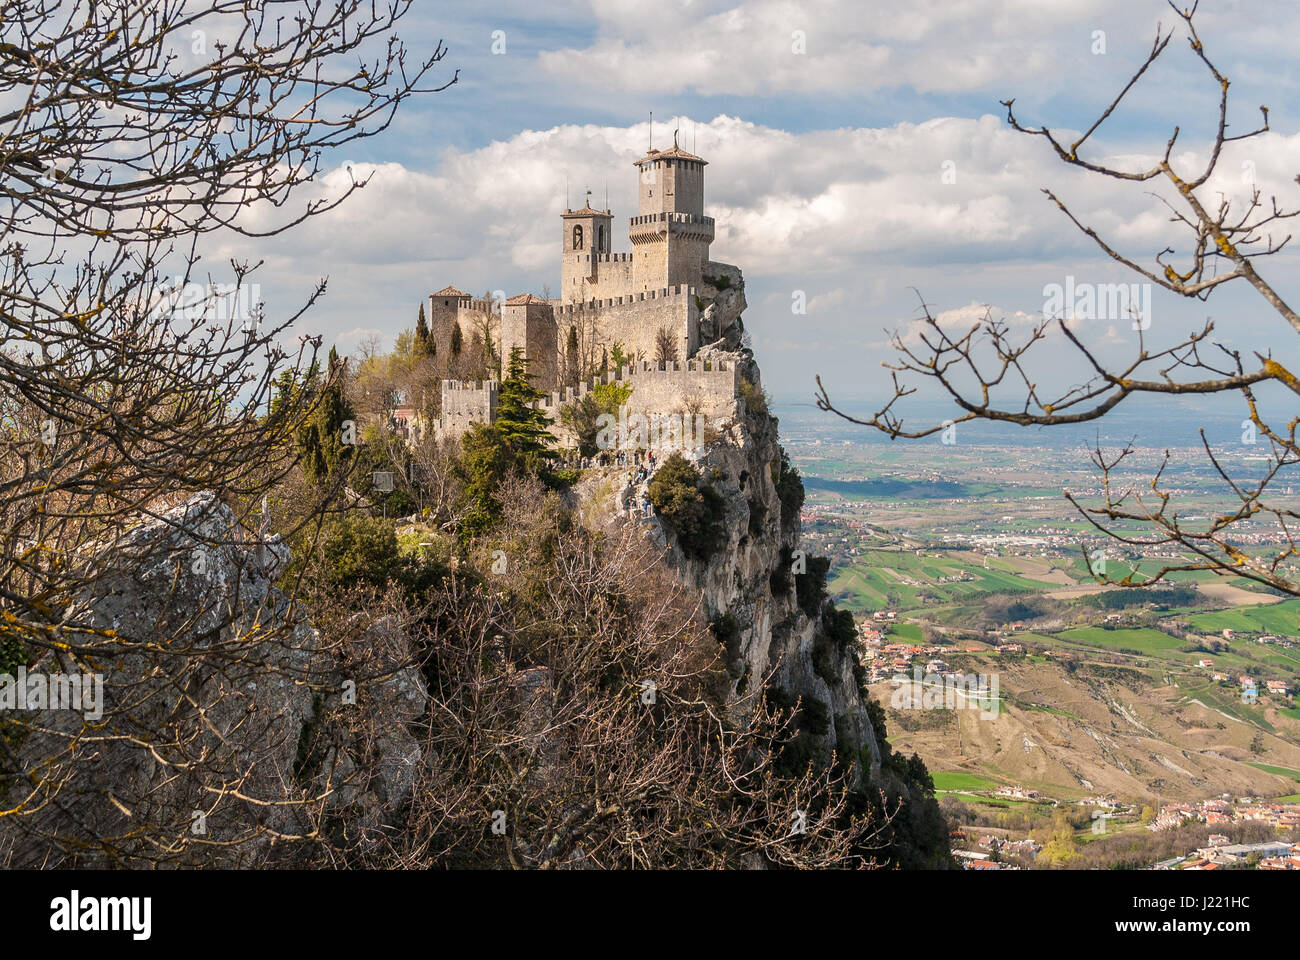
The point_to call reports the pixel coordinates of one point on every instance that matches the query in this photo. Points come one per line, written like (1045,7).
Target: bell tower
(587,237)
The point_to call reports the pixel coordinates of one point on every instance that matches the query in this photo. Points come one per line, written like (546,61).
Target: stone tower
(670,234)
(444,308)
(528,322)
(587,235)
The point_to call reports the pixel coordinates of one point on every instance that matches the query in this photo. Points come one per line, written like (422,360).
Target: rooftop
(676,153)
(587,211)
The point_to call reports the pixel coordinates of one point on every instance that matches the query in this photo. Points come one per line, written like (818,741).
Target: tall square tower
(670,234)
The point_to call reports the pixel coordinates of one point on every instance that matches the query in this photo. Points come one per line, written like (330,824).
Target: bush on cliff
(690,506)
(810,587)
(789,489)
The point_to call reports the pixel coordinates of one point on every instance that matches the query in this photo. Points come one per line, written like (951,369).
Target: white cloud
(854,217)
(751,47)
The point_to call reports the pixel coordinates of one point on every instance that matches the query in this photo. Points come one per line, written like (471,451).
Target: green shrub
(755,397)
(841,628)
(13,654)
(779,579)
(582,415)
(789,488)
(364,550)
(727,632)
(691,507)
(823,657)
(810,587)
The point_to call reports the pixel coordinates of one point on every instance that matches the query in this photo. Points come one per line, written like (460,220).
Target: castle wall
(673,389)
(465,403)
(471,315)
(589,276)
(634,320)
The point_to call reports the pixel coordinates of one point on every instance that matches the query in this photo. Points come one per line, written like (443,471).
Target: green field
(1143,638)
(876,579)
(957,780)
(1280,618)
(1277,771)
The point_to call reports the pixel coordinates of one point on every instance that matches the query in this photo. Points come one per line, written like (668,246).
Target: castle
(652,305)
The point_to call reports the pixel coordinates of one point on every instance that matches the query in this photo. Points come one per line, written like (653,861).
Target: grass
(957,780)
(875,580)
(1141,638)
(905,631)
(1281,618)
(1276,771)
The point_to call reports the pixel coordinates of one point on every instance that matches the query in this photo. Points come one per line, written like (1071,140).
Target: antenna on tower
(566,193)
(652,129)
(607,194)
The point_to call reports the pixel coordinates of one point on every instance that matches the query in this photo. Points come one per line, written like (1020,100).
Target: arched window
(577,238)
(600,239)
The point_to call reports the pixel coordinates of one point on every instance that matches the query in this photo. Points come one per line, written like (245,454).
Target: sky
(859,162)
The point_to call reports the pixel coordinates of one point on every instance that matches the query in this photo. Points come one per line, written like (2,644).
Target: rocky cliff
(766,597)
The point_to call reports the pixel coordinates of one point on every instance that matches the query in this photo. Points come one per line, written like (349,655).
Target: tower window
(600,239)
(577,238)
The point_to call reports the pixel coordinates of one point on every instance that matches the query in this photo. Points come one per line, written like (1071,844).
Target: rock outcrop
(211,683)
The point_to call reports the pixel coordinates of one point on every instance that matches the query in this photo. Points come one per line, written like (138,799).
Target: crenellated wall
(465,402)
(634,320)
(670,388)
(595,276)
(693,387)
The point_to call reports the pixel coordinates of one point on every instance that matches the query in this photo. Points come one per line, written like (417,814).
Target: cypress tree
(571,352)
(322,447)
(422,337)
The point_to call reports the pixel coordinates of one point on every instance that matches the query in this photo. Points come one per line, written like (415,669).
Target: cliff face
(752,580)
(766,600)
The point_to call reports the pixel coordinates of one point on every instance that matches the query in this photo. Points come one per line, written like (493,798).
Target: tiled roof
(676,153)
(451,292)
(525,298)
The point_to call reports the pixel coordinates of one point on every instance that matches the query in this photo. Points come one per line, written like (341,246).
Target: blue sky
(827,166)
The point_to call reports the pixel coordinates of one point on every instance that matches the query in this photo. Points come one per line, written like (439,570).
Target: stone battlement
(466,402)
(662,388)
(489,386)
(681,291)
(689,218)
